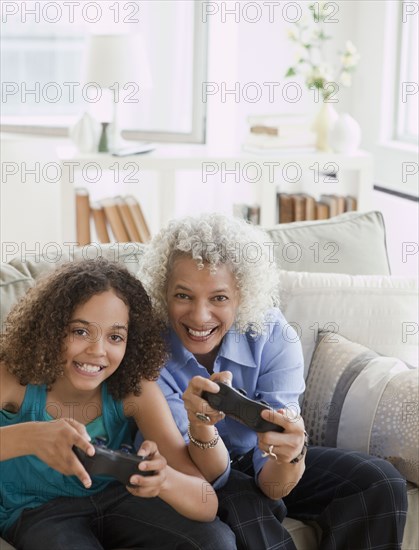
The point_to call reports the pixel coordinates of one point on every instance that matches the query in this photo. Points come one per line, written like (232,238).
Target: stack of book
(250,213)
(301,207)
(115,219)
(275,133)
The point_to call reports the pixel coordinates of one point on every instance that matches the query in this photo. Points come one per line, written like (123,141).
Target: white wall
(372,102)
(244,52)
(244,55)
(401,218)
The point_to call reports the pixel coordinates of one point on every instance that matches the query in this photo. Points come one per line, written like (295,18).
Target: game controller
(237,405)
(121,464)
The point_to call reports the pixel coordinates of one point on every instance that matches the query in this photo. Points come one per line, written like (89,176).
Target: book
(99,219)
(253,214)
(272,133)
(250,213)
(299,207)
(280,124)
(322,211)
(332,202)
(274,151)
(285,208)
(310,213)
(303,139)
(128,220)
(341,203)
(268,130)
(82,216)
(350,204)
(114,219)
(138,217)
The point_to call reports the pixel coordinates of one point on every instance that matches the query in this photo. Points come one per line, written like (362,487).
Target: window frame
(24,124)
(400,114)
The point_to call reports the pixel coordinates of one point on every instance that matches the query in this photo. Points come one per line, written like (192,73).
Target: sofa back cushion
(377,311)
(18,275)
(353,243)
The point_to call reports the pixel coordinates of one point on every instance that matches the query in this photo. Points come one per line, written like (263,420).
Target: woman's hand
(149,486)
(194,404)
(53,444)
(286,445)
(281,473)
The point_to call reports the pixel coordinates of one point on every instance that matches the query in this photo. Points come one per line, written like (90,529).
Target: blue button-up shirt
(268,366)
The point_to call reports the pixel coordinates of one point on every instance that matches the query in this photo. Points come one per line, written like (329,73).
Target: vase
(103,142)
(85,133)
(346,134)
(323,125)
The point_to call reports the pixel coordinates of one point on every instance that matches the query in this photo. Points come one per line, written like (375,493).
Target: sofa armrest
(359,400)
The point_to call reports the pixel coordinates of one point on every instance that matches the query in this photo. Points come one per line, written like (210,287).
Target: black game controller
(118,464)
(236,404)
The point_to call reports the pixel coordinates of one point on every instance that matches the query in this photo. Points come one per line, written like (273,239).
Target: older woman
(214,282)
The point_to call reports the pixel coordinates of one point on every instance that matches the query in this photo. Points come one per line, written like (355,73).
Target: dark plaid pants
(359,501)
(112,519)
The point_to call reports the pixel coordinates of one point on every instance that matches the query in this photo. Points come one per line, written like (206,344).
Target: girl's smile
(96,341)
(88,369)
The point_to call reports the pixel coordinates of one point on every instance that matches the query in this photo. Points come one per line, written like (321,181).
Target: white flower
(346,79)
(309,56)
(292,34)
(300,53)
(305,19)
(316,34)
(324,71)
(350,56)
(349,60)
(350,48)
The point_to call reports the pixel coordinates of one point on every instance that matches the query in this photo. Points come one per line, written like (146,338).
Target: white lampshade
(118,58)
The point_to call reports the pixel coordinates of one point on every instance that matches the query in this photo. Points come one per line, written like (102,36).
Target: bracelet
(204,444)
(303,450)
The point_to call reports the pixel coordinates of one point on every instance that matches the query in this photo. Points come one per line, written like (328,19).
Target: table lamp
(112,60)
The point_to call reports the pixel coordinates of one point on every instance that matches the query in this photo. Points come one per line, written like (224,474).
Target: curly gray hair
(215,239)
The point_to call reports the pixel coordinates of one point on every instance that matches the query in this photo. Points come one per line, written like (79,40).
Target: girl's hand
(195,404)
(288,444)
(54,441)
(149,486)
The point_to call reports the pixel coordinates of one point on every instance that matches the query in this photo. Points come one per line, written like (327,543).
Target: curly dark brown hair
(33,339)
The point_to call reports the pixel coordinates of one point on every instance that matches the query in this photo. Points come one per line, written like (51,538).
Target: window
(42,51)
(407,116)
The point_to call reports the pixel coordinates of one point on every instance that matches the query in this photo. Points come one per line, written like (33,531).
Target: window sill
(401,146)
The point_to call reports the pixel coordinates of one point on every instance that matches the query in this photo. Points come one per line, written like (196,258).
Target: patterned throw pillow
(359,400)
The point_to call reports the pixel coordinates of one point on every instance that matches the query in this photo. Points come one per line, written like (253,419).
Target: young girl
(79,358)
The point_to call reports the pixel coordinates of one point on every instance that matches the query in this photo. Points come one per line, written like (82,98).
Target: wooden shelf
(266,173)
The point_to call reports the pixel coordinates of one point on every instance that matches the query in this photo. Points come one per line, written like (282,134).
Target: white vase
(85,133)
(346,135)
(323,125)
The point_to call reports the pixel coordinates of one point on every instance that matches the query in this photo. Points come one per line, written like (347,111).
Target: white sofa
(354,320)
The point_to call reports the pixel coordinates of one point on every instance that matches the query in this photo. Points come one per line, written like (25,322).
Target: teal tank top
(27,482)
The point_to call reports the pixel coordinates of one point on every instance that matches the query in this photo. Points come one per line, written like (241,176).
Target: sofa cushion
(333,245)
(377,311)
(17,276)
(14,283)
(359,400)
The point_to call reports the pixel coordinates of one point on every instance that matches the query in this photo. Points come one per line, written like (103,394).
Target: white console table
(266,171)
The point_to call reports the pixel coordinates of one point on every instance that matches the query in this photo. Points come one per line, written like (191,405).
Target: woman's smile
(202,305)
